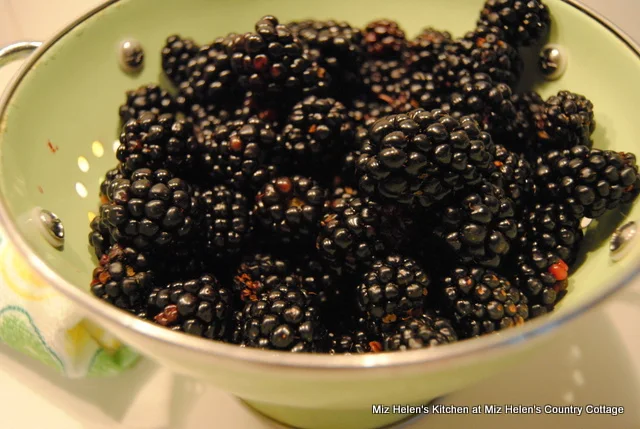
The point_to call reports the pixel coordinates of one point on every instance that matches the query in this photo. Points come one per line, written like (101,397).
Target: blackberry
(317,132)
(199,306)
(150,98)
(566,120)
(176,53)
(528,106)
(482,301)
(106,188)
(290,208)
(157,142)
(260,273)
(285,318)
(524,22)
(514,174)
(151,208)
(364,111)
(384,38)
(271,63)
(99,237)
(422,52)
(383,78)
(227,222)
(393,288)
(490,54)
(354,337)
(427,330)
(589,182)
(124,277)
(419,91)
(451,65)
(480,227)
(423,157)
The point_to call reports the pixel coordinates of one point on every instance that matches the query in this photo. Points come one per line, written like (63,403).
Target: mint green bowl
(68,93)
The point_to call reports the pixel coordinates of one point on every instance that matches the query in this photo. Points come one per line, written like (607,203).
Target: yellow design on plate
(20,278)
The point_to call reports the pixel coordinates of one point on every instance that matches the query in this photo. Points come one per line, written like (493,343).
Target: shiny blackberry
(354,336)
(488,53)
(481,301)
(566,120)
(152,208)
(157,142)
(260,273)
(123,278)
(199,306)
(289,208)
(106,186)
(383,78)
(99,236)
(227,223)
(176,54)
(365,110)
(480,227)
(528,106)
(393,288)
(422,52)
(149,98)
(384,39)
(524,22)
(514,174)
(419,91)
(423,157)
(589,182)
(427,330)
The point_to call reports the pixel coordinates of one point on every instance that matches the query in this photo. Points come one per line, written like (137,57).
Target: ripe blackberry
(106,186)
(528,106)
(481,301)
(383,78)
(423,157)
(285,318)
(490,54)
(151,208)
(99,237)
(566,120)
(227,222)
(514,174)
(317,132)
(451,65)
(384,39)
(176,53)
(364,111)
(524,22)
(419,91)
(157,142)
(271,63)
(149,98)
(422,52)
(354,336)
(427,330)
(393,288)
(480,227)
(260,273)
(124,277)
(589,182)
(199,306)
(290,208)
(242,154)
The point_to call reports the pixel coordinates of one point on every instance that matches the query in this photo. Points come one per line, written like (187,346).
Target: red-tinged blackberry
(422,52)
(566,120)
(427,330)
(384,39)
(157,142)
(480,227)
(488,53)
(589,182)
(152,208)
(317,132)
(100,236)
(393,288)
(481,301)
(124,277)
(528,106)
(290,208)
(149,98)
(383,78)
(524,22)
(226,221)
(176,53)
(285,318)
(272,63)
(514,174)
(260,273)
(199,306)
(422,157)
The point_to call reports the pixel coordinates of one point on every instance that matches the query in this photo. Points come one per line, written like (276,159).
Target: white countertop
(592,361)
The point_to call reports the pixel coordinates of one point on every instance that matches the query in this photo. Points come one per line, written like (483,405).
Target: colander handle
(16,51)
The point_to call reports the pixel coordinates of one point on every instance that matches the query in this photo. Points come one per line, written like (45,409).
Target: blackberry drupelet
(176,53)
(285,318)
(422,52)
(384,39)
(393,288)
(481,301)
(260,273)
(488,53)
(149,98)
(106,187)
(124,278)
(514,174)
(157,142)
(290,208)
(99,237)
(199,306)
(566,120)
(152,208)
(423,157)
(427,330)
(227,223)
(524,22)
(383,78)
(589,182)
(480,227)
(528,106)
